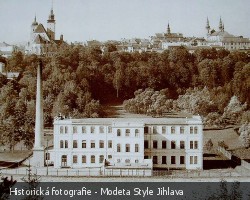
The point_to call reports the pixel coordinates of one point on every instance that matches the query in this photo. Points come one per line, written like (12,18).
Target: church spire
(220,25)
(35,22)
(168,30)
(208,26)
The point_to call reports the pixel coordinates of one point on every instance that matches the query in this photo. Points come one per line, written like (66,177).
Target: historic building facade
(128,142)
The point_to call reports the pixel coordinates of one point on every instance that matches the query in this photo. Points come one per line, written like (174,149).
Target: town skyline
(109,20)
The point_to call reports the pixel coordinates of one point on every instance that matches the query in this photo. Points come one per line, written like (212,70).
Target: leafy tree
(209,145)
(245,135)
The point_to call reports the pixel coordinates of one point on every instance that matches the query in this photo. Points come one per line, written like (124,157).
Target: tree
(245,135)
(209,145)
(5,186)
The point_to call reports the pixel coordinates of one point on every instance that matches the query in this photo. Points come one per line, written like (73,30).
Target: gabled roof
(40,29)
(222,33)
(40,40)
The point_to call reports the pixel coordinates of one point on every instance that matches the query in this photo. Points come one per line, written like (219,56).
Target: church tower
(51,23)
(33,28)
(208,26)
(221,25)
(168,30)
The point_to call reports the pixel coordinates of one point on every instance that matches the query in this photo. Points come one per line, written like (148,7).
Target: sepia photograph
(150,97)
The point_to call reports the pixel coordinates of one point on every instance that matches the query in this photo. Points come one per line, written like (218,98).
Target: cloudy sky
(81,20)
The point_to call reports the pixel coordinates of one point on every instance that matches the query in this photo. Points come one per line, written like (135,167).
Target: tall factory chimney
(38,150)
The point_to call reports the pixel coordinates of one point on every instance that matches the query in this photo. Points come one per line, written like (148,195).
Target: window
(127,147)
(118,149)
(182,130)
(193,160)
(155,160)
(127,161)
(146,130)
(101,129)
(136,161)
(191,130)
(196,144)
(146,157)
(195,130)
(164,160)
(173,160)
(74,129)
(66,144)
(83,129)
(136,147)
(47,156)
(74,143)
(61,144)
(118,160)
(155,145)
(164,129)
(84,144)
(136,133)
(146,144)
(84,159)
(118,132)
(191,144)
(64,160)
(92,129)
(182,144)
(110,129)
(101,144)
(109,156)
(172,130)
(127,132)
(164,144)
(101,158)
(92,145)
(110,144)
(173,145)
(182,160)
(74,158)
(154,130)
(61,129)
(66,130)
(92,159)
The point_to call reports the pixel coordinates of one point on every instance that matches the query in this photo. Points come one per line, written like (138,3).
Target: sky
(82,20)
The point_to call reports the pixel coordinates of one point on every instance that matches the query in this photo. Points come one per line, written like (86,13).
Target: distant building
(9,75)
(128,142)
(7,49)
(226,40)
(42,41)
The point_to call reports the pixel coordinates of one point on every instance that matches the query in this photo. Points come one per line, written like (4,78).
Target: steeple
(208,26)
(168,30)
(35,22)
(51,23)
(220,25)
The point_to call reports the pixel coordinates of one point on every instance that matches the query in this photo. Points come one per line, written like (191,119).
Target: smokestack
(39,110)
(38,150)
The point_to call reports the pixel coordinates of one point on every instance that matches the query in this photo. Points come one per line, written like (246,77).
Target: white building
(128,143)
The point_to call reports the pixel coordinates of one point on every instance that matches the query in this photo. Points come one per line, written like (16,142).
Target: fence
(98,172)
(87,172)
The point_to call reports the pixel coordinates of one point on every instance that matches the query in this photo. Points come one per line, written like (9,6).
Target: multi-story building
(125,142)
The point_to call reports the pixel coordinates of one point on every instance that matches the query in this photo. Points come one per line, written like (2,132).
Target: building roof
(222,34)
(40,29)
(132,121)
